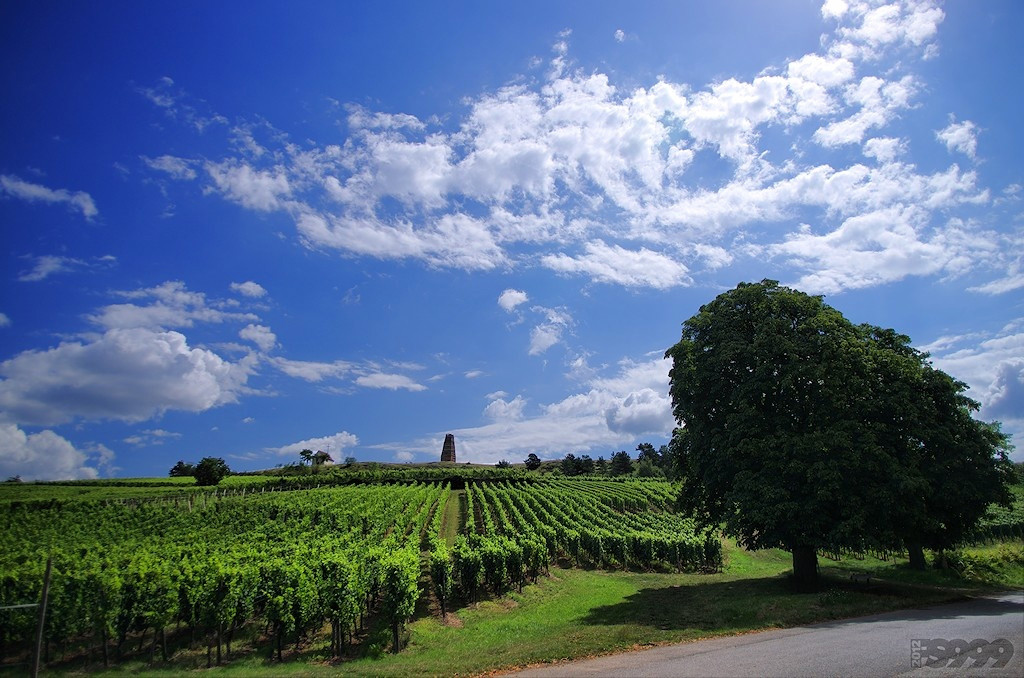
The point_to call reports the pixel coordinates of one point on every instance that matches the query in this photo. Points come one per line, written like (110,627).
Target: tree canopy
(801,430)
(182,469)
(211,470)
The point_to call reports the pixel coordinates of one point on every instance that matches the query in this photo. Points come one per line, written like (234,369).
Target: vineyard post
(42,617)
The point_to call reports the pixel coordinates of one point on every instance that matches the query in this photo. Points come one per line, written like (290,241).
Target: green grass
(579,613)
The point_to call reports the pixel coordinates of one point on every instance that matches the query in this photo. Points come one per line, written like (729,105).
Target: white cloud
(392,382)
(4,320)
(871,28)
(259,335)
(879,102)
(880,247)
(41,456)
(312,371)
(501,410)
(172,305)
(151,437)
(79,200)
(333,444)
(48,265)
(620,35)
(962,137)
(249,289)
(127,374)
(1002,285)
(474,374)
(827,71)
(367,374)
(511,298)
(567,169)
(614,264)
(178,168)
(548,333)
(885,149)
(834,9)
(255,189)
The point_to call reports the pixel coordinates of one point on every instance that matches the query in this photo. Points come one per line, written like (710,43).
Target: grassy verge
(578,613)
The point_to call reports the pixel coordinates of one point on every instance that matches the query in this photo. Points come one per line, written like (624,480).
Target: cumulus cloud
(614,264)
(4,320)
(249,289)
(126,374)
(42,456)
(333,444)
(549,332)
(502,410)
(170,304)
(588,178)
(876,248)
(24,190)
(259,335)
(868,30)
(256,189)
(960,136)
(511,298)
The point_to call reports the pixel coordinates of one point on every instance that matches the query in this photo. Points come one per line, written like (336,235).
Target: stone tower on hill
(448,451)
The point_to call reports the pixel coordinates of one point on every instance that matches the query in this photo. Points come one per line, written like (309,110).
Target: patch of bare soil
(451,619)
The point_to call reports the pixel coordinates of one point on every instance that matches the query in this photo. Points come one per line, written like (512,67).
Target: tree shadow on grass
(706,607)
(746,604)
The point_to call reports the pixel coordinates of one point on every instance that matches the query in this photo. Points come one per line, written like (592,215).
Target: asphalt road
(878,645)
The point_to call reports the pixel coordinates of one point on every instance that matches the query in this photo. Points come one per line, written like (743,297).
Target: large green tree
(211,470)
(946,467)
(801,430)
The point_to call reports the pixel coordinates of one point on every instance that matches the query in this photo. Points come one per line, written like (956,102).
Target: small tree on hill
(569,466)
(621,464)
(181,469)
(503,464)
(211,470)
(532,462)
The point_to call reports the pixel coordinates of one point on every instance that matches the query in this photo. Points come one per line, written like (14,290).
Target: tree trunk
(394,630)
(805,568)
(916,554)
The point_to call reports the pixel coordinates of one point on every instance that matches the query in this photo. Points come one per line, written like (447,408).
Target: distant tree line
(649,463)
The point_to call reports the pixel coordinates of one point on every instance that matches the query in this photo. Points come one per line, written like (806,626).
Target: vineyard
(288,563)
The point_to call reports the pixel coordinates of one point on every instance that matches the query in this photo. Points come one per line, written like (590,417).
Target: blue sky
(241,229)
